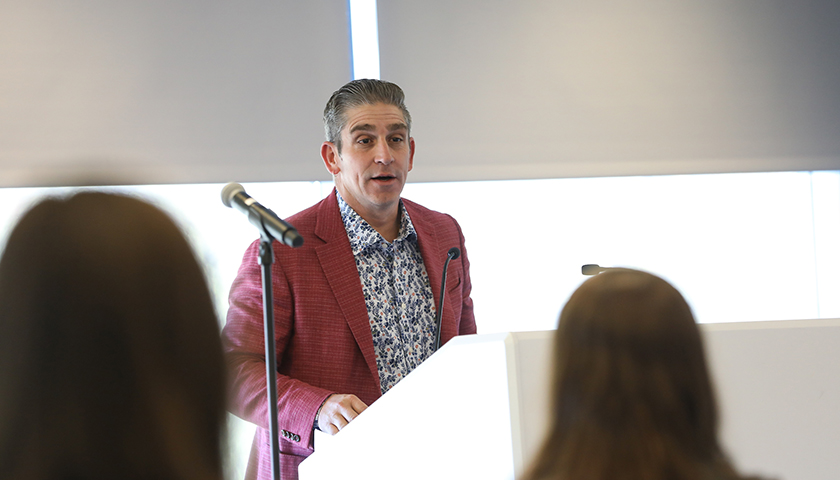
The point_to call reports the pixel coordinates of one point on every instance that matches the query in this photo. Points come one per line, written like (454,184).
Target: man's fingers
(339,410)
(358,405)
(348,414)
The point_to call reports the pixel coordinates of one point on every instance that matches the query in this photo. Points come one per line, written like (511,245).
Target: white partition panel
(779,389)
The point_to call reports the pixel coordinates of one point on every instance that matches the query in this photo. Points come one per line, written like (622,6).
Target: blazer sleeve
(466,323)
(243,341)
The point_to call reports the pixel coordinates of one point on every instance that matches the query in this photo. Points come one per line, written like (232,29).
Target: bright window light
(364,38)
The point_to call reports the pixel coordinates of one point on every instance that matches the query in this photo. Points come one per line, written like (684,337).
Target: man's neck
(386,221)
(388,225)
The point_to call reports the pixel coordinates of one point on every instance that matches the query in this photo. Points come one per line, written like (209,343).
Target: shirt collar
(362,235)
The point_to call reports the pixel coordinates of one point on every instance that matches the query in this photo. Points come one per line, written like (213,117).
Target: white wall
(144,92)
(153,91)
(548,88)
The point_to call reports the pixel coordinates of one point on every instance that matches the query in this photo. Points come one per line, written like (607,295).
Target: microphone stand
(266,260)
(266,221)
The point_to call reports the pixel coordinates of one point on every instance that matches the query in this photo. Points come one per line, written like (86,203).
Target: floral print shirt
(398,295)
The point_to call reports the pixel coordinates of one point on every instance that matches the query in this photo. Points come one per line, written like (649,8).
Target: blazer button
(297,438)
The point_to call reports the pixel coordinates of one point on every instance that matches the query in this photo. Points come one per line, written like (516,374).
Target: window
(741,247)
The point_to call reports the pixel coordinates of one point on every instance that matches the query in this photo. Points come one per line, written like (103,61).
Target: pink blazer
(324,342)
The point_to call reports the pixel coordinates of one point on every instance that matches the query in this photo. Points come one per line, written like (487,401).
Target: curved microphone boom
(234,196)
(452,254)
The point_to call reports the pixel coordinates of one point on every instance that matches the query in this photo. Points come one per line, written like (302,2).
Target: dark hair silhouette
(110,360)
(631,397)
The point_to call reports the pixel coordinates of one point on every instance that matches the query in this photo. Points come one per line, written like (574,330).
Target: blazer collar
(339,266)
(434,256)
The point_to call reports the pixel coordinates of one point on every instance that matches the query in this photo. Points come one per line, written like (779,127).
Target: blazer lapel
(434,256)
(339,267)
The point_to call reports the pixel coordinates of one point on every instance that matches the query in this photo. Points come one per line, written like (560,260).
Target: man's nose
(383,153)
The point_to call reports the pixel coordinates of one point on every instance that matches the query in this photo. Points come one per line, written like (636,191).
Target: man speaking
(354,307)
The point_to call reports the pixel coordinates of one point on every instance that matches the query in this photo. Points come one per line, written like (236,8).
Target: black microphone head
(295,240)
(229,191)
(454,252)
(590,269)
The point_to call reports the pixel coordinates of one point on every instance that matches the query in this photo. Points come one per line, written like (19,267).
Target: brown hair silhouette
(110,360)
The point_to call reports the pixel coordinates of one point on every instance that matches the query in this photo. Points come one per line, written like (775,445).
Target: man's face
(376,156)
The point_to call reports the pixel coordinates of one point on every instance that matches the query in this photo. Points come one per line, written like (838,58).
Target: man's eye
(364,140)
(397,139)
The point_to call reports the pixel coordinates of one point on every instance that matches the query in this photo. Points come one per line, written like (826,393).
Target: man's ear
(411,154)
(329,153)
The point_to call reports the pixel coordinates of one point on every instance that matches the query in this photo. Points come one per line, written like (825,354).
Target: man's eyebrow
(366,127)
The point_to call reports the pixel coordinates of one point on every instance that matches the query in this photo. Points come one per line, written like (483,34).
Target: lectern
(474,409)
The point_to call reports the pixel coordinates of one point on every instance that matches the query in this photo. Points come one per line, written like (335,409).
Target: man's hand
(339,410)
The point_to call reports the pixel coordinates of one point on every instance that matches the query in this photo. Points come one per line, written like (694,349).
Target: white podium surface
(478,408)
(475,409)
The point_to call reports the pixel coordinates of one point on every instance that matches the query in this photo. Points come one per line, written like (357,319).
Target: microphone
(594,269)
(591,269)
(234,196)
(452,254)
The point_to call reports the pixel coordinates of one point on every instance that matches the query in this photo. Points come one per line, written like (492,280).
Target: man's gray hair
(358,93)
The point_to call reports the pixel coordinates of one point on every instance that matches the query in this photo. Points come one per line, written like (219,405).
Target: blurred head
(631,394)
(358,93)
(110,359)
